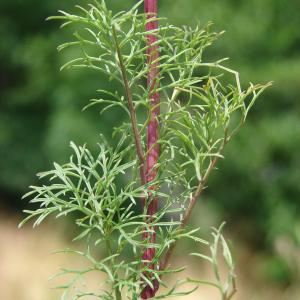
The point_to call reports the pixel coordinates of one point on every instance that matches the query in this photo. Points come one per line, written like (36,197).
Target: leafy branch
(133,118)
(188,112)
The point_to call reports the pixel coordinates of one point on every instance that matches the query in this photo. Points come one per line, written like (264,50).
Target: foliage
(203,107)
(227,288)
(39,109)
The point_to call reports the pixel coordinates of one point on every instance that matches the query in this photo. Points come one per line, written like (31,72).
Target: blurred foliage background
(256,188)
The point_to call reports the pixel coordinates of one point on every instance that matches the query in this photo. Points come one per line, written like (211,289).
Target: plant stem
(110,252)
(234,290)
(118,294)
(153,149)
(133,118)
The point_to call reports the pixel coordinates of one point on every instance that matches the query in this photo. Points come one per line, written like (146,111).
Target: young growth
(135,200)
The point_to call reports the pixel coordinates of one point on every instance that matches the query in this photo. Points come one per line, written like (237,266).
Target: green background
(256,188)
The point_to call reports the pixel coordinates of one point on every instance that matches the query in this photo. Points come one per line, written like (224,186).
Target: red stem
(152,134)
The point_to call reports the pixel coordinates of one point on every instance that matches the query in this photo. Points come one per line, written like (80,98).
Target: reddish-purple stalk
(153,148)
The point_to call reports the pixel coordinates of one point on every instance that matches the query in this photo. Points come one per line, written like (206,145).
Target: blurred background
(256,189)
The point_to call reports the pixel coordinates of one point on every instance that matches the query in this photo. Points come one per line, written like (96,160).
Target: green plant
(188,110)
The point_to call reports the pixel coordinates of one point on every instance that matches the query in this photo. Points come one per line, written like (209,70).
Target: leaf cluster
(202,107)
(106,217)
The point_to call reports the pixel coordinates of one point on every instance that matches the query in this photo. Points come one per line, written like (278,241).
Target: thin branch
(193,201)
(133,118)
(234,290)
